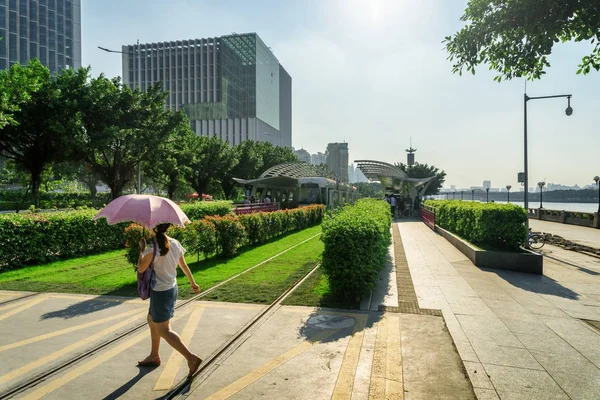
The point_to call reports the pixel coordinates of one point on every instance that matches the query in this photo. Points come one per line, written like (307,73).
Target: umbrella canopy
(146,210)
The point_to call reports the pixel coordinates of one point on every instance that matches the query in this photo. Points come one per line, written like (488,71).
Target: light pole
(569,112)
(139,85)
(508,187)
(461,195)
(472,194)
(487,195)
(541,185)
(597,179)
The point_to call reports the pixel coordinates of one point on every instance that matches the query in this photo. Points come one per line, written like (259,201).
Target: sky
(374,73)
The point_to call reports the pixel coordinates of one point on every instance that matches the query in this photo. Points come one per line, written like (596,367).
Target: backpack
(146,279)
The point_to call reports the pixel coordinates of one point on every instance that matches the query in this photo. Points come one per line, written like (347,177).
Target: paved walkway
(520,336)
(578,234)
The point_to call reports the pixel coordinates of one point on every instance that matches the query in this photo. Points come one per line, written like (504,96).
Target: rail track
(206,365)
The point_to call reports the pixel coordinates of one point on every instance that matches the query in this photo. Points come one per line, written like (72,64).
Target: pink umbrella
(144,209)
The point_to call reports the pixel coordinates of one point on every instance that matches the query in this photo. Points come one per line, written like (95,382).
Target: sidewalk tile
(519,383)
(478,376)
(490,353)
(486,394)
(493,330)
(465,351)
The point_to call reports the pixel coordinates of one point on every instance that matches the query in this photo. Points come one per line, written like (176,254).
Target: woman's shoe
(150,362)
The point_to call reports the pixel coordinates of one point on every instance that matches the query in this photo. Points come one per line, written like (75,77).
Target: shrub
(496,225)
(199,237)
(230,234)
(9,200)
(34,238)
(201,209)
(133,234)
(356,241)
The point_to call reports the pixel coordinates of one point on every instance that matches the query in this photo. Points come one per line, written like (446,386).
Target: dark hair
(161,238)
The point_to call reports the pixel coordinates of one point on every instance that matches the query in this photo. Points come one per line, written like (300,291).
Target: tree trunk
(35,187)
(173,184)
(228,185)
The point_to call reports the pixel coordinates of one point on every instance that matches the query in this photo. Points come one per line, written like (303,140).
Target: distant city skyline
(374,73)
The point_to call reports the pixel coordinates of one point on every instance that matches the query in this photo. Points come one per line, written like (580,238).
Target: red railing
(428,216)
(252,208)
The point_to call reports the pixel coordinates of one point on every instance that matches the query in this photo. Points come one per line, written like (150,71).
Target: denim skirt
(162,304)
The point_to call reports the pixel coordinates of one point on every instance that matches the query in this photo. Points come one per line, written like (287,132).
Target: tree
(275,155)
(515,36)
(39,124)
(212,162)
(172,162)
(421,171)
(122,129)
(248,166)
(371,189)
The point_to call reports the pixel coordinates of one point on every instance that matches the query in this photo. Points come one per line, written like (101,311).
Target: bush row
(9,200)
(224,235)
(200,209)
(356,241)
(33,238)
(496,225)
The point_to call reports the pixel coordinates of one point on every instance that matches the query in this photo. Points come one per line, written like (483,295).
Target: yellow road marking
(66,330)
(261,371)
(60,353)
(377,389)
(393,372)
(25,306)
(167,377)
(88,366)
(11,305)
(345,380)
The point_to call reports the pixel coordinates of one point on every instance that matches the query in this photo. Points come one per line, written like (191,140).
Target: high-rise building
(337,159)
(49,30)
(231,87)
(318,158)
(302,155)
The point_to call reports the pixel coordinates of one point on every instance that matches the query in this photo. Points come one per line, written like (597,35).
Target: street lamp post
(569,112)
(597,179)
(139,85)
(508,187)
(541,185)
(472,194)
(461,195)
(487,195)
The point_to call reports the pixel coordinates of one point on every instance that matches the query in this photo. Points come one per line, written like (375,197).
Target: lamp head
(508,187)
(569,110)
(597,178)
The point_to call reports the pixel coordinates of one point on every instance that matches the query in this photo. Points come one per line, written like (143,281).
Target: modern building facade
(49,30)
(337,159)
(302,154)
(232,87)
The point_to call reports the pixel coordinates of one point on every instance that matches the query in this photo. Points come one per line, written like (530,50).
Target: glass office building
(232,86)
(49,30)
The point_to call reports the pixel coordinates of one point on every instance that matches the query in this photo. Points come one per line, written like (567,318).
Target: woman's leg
(165,331)
(155,337)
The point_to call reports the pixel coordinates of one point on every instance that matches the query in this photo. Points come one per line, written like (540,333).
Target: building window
(23,51)
(32,50)
(12,48)
(33,11)
(33,32)
(12,22)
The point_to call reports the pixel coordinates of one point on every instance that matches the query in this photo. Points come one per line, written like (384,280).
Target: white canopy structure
(393,178)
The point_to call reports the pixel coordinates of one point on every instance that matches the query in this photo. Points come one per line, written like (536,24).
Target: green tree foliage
(123,128)
(371,189)
(248,166)
(171,162)
(515,37)
(39,124)
(212,162)
(421,171)
(274,155)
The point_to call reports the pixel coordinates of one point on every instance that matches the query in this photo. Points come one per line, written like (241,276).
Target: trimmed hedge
(34,238)
(356,243)
(496,225)
(224,235)
(9,200)
(200,209)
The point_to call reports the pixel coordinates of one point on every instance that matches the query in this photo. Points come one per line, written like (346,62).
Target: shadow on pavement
(539,284)
(87,306)
(328,325)
(128,385)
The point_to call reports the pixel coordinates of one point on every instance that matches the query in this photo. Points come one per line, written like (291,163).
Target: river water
(584,207)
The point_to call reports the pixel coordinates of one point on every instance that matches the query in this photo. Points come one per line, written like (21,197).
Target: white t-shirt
(165,267)
(393,201)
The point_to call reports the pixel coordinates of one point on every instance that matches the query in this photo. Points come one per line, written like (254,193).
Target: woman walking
(163,295)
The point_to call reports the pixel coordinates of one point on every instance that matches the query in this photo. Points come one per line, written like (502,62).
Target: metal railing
(255,207)
(581,218)
(427,214)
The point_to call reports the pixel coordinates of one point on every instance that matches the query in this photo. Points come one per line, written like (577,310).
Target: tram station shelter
(297,183)
(393,179)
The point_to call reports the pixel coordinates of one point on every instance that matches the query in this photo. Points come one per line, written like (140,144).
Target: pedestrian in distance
(393,203)
(163,294)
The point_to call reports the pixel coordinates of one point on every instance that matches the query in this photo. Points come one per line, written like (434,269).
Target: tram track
(20,298)
(212,362)
(34,380)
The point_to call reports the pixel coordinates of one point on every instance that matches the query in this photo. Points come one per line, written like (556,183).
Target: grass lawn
(315,292)
(267,282)
(110,274)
